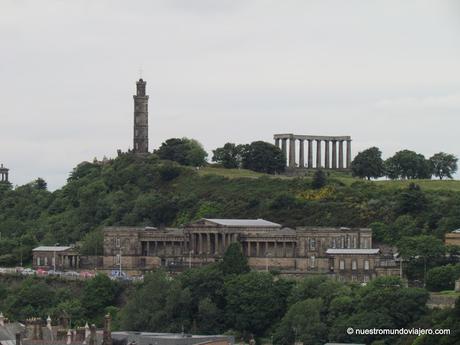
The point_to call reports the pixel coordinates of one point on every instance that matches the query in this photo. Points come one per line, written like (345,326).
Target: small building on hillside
(452,238)
(55,257)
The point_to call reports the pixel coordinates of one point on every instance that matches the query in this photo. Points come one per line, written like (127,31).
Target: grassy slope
(453,185)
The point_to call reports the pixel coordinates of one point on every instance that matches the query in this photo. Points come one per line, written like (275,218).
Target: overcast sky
(385,72)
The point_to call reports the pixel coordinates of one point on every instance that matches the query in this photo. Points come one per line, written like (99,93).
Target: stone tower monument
(141,119)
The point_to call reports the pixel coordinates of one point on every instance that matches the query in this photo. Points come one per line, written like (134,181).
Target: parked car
(41,272)
(27,272)
(87,274)
(71,274)
(55,273)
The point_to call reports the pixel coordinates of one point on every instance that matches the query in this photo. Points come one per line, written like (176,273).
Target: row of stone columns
(3,174)
(263,248)
(211,243)
(333,161)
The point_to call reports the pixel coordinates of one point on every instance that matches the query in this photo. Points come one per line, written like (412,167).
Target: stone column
(249,248)
(284,148)
(284,249)
(292,153)
(257,249)
(301,154)
(223,243)
(200,243)
(208,238)
(341,154)
(334,154)
(310,154)
(318,153)
(326,155)
(277,142)
(216,243)
(349,154)
(275,249)
(148,248)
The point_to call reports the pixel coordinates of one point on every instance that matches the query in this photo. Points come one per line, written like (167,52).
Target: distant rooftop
(51,249)
(245,223)
(352,251)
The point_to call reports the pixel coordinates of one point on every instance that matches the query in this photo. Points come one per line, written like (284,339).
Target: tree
(230,155)
(234,261)
(442,277)
(421,248)
(253,302)
(263,157)
(411,200)
(184,151)
(97,294)
(444,165)
(368,164)
(302,323)
(319,179)
(408,164)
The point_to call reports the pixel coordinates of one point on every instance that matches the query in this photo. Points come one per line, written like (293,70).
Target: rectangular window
(46,261)
(38,261)
(354,265)
(342,265)
(312,244)
(366,265)
(118,243)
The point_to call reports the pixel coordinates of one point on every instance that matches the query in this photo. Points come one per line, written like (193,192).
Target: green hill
(133,190)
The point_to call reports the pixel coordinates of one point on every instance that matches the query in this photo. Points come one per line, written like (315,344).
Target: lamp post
(54,257)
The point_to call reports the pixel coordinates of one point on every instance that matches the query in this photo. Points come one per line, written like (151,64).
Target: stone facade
(452,238)
(334,156)
(267,245)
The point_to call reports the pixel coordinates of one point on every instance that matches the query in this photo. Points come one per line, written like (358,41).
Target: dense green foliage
(368,164)
(144,190)
(83,302)
(408,164)
(230,156)
(443,165)
(184,151)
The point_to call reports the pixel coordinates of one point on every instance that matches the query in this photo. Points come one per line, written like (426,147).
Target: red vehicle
(87,274)
(41,272)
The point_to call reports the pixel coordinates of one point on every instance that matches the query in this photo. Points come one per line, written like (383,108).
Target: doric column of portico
(249,248)
(284,249)
(310,154)
(292,153)
(326,155)
(208,240)
(349,154)
(277,142)
(341,154)
(334,154)
(257,248)
(301,153)
(284,148)
(318,153)
(216,243)
(200,243)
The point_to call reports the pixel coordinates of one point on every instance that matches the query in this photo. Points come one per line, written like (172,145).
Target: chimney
(2,320)
(92,336)
(107,335)
(18,338)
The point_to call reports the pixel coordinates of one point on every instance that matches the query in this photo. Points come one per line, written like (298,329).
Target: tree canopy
(368,164)
(184,151)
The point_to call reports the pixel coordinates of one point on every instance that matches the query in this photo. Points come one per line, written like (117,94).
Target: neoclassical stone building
(345,253)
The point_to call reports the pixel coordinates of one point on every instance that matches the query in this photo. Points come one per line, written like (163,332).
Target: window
(366,265)
(312,261)
(38,261)
(342,265)
(46,261)
(353,265)
(334,245)
(117,259)
(354,242)
(312,244)
(117,241)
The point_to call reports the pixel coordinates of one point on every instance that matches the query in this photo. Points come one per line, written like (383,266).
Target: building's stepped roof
(332,251)
(244,223)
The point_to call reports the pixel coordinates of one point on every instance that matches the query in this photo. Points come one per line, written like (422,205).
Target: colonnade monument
(333,157)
